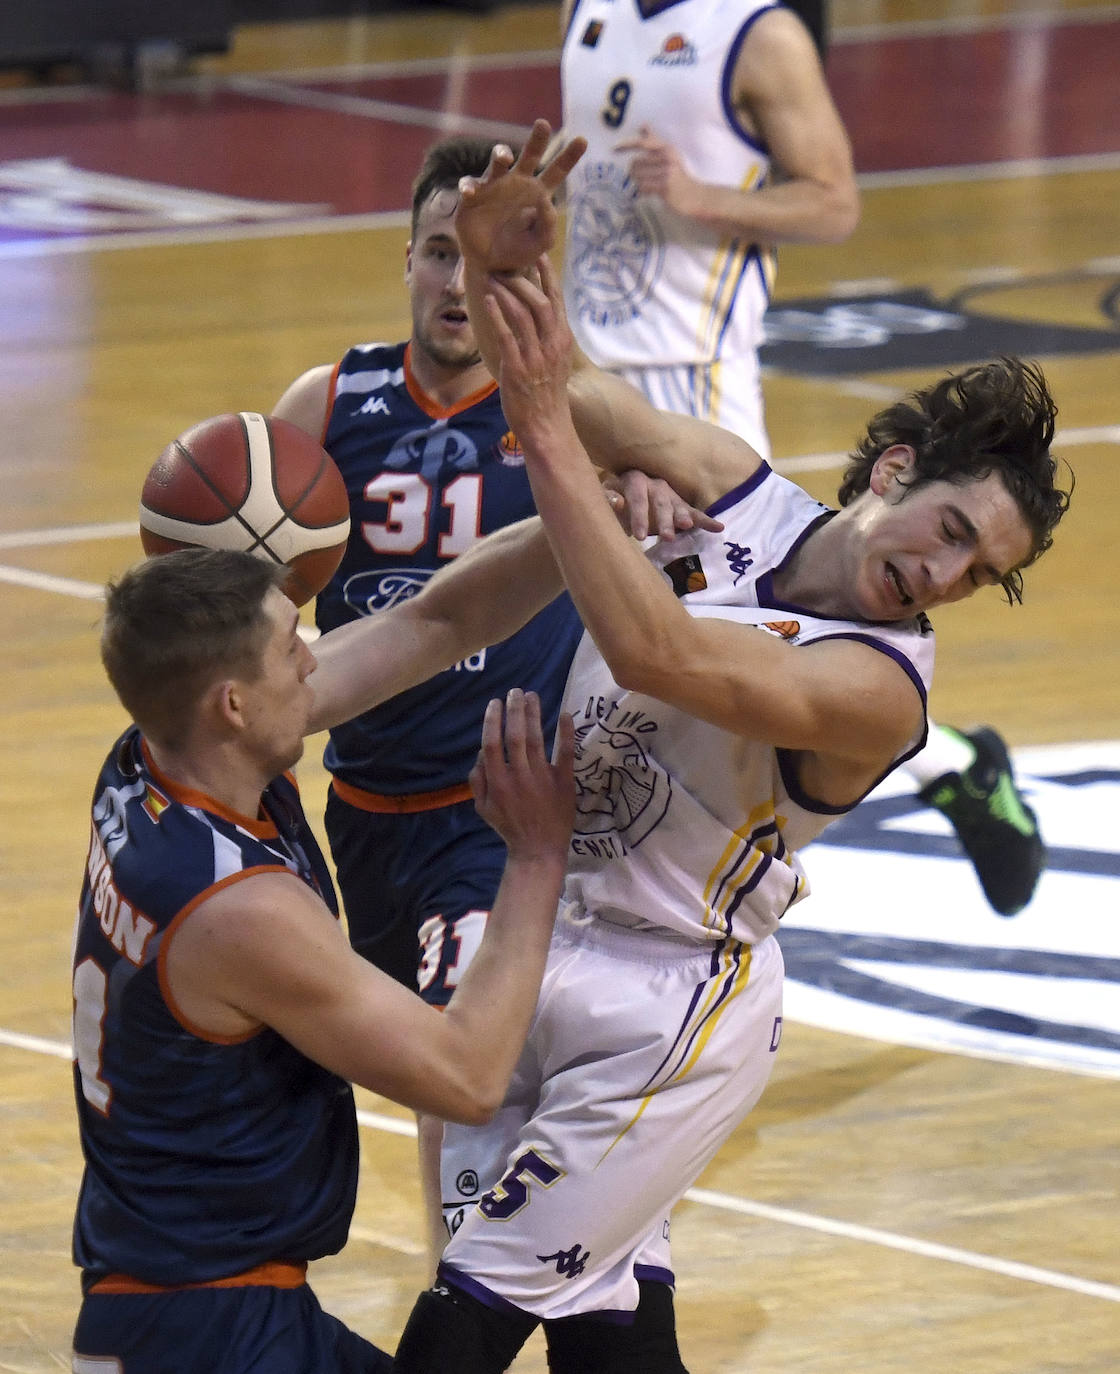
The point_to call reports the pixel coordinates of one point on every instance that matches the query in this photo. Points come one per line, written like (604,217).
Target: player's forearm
(797,211)
(622,599)
(621,431)
(490,591)
(481,598)
(490,1013)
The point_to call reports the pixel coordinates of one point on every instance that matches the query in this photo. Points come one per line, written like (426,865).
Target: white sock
(946,751)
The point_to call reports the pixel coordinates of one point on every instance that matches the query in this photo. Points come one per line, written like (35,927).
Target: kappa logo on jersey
(676,51)
(622,792)
(897,942)
(569,1263)
(738,559)
(686,574)
(374,405)
(510,451)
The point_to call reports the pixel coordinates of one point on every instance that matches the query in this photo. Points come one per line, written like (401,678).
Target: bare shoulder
(244,945)
(777,37)
(305,403)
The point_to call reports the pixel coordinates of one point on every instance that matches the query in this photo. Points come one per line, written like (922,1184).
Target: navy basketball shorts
(416,888)
(237,1330)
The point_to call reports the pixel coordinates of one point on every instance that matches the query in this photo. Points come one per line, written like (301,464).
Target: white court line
(47,582)
(725,1202)
(1014,170)
(121,529)
(68,534)
(910,1244)
(368,107)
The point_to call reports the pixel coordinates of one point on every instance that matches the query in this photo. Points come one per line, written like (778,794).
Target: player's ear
(225,701)
(408,263)
(891,464)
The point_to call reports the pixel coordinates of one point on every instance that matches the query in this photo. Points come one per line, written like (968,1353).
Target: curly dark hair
(995,417)
(444,164)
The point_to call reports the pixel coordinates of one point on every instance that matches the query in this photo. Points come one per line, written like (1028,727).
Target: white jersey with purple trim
(681,825)
(646,286)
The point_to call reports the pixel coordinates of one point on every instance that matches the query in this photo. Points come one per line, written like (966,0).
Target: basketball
(250,482)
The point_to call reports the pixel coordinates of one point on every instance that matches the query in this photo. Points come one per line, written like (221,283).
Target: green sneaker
(996,827)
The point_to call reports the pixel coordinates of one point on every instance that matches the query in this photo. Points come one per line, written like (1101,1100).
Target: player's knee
(450,1330)
(594,1344)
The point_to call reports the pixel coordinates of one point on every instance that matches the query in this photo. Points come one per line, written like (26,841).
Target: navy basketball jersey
(425,484)
(204,1157)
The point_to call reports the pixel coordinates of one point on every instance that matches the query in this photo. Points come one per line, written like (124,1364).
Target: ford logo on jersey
(380,588)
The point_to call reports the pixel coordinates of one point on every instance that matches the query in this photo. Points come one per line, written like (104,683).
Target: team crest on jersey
(592,33)
(510,451)
(676,51)
(686,574)
(616,250)
(622,792)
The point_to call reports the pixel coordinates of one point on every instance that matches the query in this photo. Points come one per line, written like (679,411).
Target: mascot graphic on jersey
(621,790)
(617,249)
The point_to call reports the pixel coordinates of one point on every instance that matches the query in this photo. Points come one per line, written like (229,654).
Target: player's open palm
(506,218)
(529,800)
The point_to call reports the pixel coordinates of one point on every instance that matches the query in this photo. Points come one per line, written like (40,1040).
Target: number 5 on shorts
(508,1197)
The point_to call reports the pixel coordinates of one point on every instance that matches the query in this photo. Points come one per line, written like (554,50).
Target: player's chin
(288,757)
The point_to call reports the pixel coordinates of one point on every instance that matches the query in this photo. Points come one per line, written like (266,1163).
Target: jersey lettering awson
(161,1104)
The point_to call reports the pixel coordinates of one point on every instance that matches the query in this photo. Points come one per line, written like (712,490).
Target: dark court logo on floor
(896,941)
(830,336)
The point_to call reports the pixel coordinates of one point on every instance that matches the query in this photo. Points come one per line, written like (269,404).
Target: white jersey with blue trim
(645,286)
(684,826)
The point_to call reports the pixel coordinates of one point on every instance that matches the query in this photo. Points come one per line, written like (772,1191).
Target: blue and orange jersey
(204,1157)
(425,483)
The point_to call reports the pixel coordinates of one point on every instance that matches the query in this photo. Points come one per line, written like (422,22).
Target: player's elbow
(840,214)
(472,1103)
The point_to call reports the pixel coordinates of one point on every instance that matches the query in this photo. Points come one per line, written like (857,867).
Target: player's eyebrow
(972,534)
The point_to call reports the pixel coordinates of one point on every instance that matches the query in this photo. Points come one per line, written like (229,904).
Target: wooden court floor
(886,1208)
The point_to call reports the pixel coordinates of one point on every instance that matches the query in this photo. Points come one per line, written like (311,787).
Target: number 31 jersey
(424,485)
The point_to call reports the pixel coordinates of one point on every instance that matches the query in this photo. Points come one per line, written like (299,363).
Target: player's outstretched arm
(482,597)
(266,951)
(741,679)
